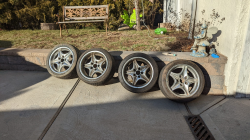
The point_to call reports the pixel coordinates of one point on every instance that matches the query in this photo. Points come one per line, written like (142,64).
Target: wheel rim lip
(131,59)
(195,74)
(53,53)
(80,64)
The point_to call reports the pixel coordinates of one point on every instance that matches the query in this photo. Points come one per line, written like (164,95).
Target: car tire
(95,66)
(138,72)
(61,61)
(181,81)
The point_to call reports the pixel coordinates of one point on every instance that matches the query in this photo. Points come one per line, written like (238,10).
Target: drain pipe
(164,11)
(178,16)
(192,20)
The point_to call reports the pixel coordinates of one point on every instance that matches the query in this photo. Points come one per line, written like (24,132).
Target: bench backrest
(85,12)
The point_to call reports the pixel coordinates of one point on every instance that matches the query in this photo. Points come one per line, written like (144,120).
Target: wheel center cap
(94,65)
(138,72)
(62,60)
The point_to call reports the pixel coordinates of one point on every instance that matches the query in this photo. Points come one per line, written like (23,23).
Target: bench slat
(80,18)
(84,21)
(92,6)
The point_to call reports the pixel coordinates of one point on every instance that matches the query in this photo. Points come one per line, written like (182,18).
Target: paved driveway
(29,100)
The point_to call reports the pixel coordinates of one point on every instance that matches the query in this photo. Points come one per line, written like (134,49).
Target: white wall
(176,6)
(243,84)
(233,36)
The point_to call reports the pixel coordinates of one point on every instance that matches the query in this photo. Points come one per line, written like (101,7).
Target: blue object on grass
(215,55)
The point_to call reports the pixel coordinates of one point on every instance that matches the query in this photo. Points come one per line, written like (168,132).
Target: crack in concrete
(58,111)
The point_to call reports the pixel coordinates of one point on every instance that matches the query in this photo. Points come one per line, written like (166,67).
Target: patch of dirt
(112,38)
(74,36)
(182,43)
(129,43)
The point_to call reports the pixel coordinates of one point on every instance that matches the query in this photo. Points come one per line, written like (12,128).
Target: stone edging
(35,60)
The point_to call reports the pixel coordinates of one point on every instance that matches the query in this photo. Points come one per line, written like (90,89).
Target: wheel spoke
(99,62)
(67,55)
(93,58)
(59,53)
(144,78)
(135,80)
(176,86)
(88,66)
(66,63)
(130,72)
(175,76)
(144,68)
(55,61)
(185,88)
(184,71)
(99,70)
(60,67)
(191,80)
(135,65)
(91,72)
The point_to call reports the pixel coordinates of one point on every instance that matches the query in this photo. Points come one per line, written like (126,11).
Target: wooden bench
(84,14)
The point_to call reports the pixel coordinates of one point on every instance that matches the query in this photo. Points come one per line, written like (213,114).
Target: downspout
(164,11)
(192,19)
(178,7)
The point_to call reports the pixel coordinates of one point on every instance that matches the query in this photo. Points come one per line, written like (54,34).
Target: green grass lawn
(127,40)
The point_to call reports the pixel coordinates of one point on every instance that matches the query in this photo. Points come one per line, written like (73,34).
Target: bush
(15,14)
(27,13)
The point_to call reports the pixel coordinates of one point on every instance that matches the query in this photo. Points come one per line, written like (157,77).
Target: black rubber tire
(168,92)
(72,70)
(153,81)
(109,73)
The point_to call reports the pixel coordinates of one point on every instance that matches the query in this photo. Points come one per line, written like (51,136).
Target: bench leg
(60,30)
(106,28)
(66,28)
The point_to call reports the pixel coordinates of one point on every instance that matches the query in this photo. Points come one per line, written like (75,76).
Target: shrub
(16,14)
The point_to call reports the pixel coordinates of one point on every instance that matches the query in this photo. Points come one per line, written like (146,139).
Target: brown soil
(182,43)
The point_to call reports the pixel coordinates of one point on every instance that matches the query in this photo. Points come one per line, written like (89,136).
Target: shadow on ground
(132,119)
(14,83)
(6,44)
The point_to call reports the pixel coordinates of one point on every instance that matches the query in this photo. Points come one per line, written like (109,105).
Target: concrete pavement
(226,118)
(111,112)
(29,100)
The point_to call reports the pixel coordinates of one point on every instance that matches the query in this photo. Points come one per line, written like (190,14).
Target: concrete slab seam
(213,105)
(188,109)
(58,111)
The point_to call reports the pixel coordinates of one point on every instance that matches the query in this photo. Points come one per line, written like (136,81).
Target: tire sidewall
(108,73)
(155,75)
(71,69)
(168,92)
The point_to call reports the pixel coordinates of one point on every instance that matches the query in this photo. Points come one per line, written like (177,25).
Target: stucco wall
(243,85)
(180,7)
(233,34)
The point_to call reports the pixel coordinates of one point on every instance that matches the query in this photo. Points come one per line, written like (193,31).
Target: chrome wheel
(61,60)
(93,65)
(183,80)
(137,72)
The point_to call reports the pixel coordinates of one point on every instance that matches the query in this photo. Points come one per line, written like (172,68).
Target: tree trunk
(138,24)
